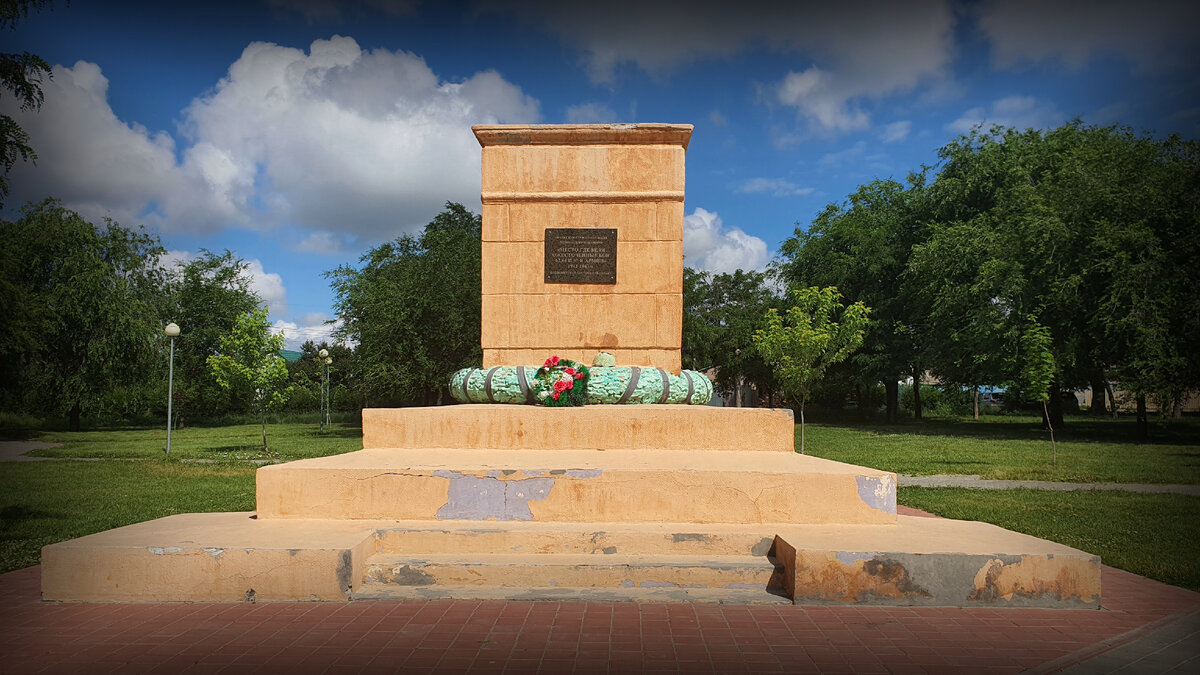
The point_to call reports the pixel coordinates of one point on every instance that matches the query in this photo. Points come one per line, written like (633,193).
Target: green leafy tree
(20,75)
(207,296)
(413,308)
(721,314)
(1036,369)
(82,313)
(249,357)
(815,333)
(863,247)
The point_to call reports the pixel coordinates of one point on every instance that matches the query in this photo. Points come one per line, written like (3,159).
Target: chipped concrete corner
(872,578)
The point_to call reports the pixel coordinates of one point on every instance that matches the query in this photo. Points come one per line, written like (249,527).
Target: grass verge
(1153,535)
(45,502)
(234,443)
(1017,448)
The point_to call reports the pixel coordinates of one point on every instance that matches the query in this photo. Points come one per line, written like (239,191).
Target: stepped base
(577,486)
(231,557)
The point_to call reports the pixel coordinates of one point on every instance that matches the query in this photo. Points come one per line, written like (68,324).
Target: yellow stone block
(667,359)
(609,427)
(562,322)
(600,168)
(528,220)
(642,267)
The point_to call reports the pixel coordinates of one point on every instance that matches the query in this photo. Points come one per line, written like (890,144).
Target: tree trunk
(73,417)
(1112,399)
(1143,424)
(916,394)
(1099,386)
(892,389)
(1054,417)
(1177,407)
(802,428)
(975,398)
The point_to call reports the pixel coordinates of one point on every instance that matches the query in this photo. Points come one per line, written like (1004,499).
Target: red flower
(569,371)
(554,360)
(570,384)
(559,387)
(555,396)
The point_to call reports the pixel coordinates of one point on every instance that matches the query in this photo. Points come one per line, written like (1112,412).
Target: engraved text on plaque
(581,255)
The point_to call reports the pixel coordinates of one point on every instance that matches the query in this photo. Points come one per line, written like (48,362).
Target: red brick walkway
(456,636)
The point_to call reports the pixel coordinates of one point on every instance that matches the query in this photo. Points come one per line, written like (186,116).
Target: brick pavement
(454,636)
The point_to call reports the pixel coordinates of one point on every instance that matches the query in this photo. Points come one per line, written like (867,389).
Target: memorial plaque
(581,255)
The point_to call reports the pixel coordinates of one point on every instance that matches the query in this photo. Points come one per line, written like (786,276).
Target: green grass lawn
(1089,450)
(46,502)
(1153,535)
(227,443)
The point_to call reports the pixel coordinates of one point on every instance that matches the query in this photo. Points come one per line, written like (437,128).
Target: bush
(938,401)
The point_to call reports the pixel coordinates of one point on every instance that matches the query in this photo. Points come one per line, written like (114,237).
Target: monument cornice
(496,197)
(583,134)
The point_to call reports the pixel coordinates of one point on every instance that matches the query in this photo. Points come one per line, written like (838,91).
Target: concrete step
(521,537)
(593,427)
(735,596)
(615,486)
(579,571)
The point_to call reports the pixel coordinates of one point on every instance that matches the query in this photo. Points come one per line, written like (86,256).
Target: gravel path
(14,451)
(975,482)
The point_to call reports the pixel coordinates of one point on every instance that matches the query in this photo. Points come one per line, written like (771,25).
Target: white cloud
(1151,33)
(309,327)
(1021,112)
(717,118)
(325,243)
(269,287)
(855,53)
(774,186)
(590,113)
(896,131)
(709,245)
(338,139)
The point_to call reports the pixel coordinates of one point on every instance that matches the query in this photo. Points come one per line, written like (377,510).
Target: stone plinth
(624,176)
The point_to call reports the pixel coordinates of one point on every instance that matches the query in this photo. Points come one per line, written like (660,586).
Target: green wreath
(561,382)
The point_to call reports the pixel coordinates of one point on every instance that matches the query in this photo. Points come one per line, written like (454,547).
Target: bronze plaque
(581,255)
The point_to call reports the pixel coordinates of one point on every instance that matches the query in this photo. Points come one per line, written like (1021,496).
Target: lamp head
(171,330)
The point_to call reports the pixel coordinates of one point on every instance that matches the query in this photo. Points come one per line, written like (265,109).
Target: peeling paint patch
(847,558)
(490,497)
(764,546)
(408,576)
(609,550)
(160,550)
(584,473)
(656,584)
(757,587)
(214,552)
(680,537)
(628,583)
(878,492)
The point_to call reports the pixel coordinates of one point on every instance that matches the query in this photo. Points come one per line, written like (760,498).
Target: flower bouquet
(561,382)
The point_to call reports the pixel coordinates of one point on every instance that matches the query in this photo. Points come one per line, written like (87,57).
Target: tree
(207,296)
(814,334)
(21,75)
(82,312)
(1036,370)
(413,308)
(721,314)
(863,248)
(249,357)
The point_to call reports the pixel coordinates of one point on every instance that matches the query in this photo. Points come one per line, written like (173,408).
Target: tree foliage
(207,296)
(413,308)
(720,316)
(21,76)
(248,358)
(81,313)
(815,333)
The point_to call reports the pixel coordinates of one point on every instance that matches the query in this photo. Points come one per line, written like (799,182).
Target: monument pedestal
(610,515)
(582,252)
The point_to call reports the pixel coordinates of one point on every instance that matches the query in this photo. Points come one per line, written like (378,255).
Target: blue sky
(300,134)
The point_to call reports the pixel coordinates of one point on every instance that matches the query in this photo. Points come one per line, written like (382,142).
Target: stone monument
(640,499)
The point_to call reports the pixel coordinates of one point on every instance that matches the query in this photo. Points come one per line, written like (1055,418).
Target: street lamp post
(328,393)
(324,357)
(172,331)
